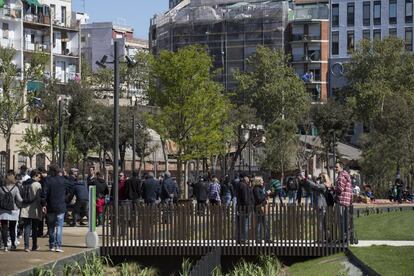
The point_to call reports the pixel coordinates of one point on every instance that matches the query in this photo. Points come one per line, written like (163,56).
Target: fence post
(92,238)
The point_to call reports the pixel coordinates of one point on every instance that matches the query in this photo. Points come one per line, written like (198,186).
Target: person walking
(260,201)
(31,211)
(214,192)
(56,193)
(10,198)
(343,192)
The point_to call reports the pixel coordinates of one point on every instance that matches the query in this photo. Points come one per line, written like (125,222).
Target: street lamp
(61,100)
(102,64)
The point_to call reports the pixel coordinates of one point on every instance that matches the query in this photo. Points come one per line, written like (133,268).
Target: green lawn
(329,266)
(387,260)
(388,226)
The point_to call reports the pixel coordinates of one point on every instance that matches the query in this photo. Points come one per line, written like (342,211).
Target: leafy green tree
(32,143)
(12,102)
(272,87)
(193,110)
(332,120)
(381,79)
(280,147)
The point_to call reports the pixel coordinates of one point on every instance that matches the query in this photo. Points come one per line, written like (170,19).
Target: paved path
(389,243)
(13,262)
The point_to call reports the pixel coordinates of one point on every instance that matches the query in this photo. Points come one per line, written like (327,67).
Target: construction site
(231,31)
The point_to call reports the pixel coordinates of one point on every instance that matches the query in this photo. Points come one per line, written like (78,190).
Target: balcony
(71,25)
(36,47)
(304,38)
(37,19)
(68,52)
(311,12)
(10,43)
(311,56)
(10,13)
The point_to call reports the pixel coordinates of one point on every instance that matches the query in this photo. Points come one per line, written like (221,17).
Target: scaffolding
(231,31)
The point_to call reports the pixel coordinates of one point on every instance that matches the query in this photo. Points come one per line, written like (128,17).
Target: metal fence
(195,229)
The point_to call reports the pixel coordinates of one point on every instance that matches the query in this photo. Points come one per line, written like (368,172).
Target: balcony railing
(10,13)
(34,18)
(10,43)
(300,37)
(36,47)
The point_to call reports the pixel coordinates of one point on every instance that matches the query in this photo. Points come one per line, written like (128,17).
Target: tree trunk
(122,149)
(185,180)
(164,152)
(104,165)
(179,167)
(84,165)
(31,161)
(8,152)
(140,165)
(52,144)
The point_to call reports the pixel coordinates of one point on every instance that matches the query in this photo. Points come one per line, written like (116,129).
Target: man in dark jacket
(80,209)
(150,189)
(200,192)
(169,188)
(102,191)
(133,187)
(244,208)
(56,193)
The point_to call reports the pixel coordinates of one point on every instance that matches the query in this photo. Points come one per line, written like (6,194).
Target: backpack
(7,199)
(26,193)
(292,184)
(329,197)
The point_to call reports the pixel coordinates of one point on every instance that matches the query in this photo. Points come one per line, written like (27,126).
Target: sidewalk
(14,262)
(388,243)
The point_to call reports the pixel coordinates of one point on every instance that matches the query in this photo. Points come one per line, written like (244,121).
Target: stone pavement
(15,262)
(388,243)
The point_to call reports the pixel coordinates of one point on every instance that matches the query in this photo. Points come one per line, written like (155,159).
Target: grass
(388,226)
(387,260)
(329,266)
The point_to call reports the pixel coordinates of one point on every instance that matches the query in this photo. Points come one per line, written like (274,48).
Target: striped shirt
(343,189)
(214,191)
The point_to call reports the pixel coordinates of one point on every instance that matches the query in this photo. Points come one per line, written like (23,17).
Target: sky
(134,13)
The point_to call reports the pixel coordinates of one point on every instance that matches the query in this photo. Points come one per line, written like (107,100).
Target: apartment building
(352,21)
(309,46)
(230,29)
(47,26)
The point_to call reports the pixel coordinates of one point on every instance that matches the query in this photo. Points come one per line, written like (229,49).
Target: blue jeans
(292,196)
(227,199)
(55,221)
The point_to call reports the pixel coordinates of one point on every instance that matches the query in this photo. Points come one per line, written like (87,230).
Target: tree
(193,109)
(12,103)
(332,120)
(272,87)
(32,143)
(280,147)
(381,79)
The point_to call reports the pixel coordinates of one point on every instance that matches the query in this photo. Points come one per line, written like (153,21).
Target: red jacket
(343,189)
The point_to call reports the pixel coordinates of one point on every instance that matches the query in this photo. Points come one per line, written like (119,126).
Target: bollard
(92,239)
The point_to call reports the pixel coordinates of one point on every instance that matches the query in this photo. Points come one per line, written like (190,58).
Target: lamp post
(134,141)
(60,119)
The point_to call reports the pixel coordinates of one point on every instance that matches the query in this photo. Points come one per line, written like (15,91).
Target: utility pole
(116,138)
(133,142)
(60,132)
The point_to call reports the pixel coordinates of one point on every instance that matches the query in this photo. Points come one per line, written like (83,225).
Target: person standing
(226,191)
(292,188)
(133,187)
(260,202)
(43,174)
(91,176)
(244,208)
(150,189)
(214,192)
(343,191)
(23,173)
(121,186)
(200,192)
(56,193)
(9,211)
(102,191)
(275,186)
(80,209)
(31,211)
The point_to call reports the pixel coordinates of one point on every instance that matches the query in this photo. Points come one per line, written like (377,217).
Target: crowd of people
(28,199)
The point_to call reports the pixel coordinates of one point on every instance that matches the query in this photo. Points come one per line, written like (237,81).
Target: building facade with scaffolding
(231,31)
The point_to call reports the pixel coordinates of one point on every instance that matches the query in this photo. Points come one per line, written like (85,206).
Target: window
(366,34)
(377,34)
(53,11)
(408,11)
(3,157)
(409,39)
(63,15)
(335,15)
(350,39)
(392,32)
(366,11)
(21,160)
(393,11)
(377,12)
(5,29)
(350,14)
(335,43)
